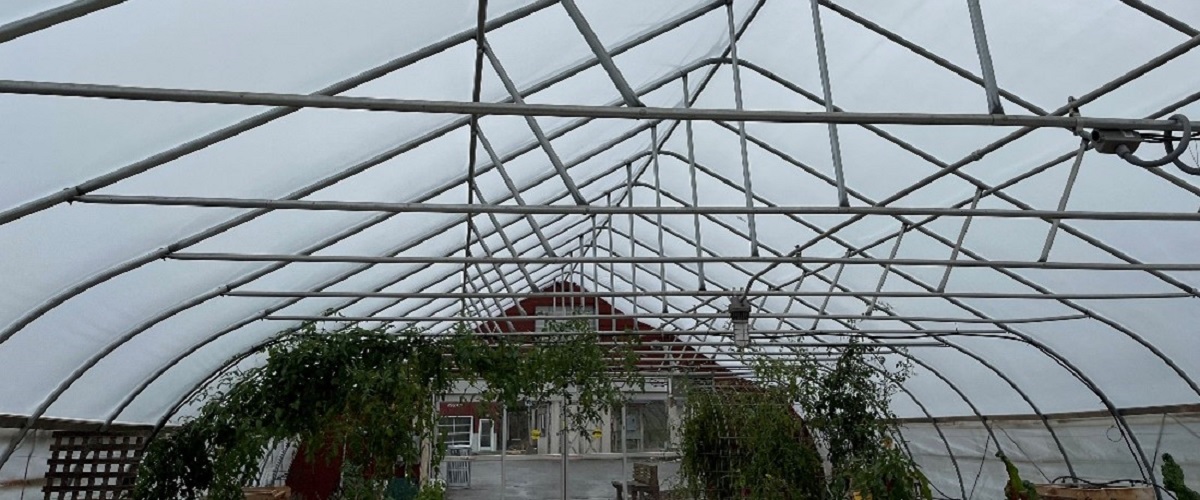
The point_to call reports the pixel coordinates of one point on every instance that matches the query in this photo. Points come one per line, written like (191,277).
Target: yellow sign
(536,433)
(596,434)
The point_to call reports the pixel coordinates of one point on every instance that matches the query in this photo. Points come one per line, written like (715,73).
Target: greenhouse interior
(595,249)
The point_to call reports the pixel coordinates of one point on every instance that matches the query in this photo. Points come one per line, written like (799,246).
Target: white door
(487,435)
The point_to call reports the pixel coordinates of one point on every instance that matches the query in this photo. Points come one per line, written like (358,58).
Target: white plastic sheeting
(95,324)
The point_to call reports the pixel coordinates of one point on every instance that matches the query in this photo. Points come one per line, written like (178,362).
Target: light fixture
(739,312)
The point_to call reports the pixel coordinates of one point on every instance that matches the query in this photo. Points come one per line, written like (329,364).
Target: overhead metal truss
(545,252)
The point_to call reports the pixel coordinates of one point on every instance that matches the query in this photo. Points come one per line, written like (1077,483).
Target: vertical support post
(887,269)
(612,276)
(662,266)
(503,451)
(472,146)
(632,235)
(595,272)
(563,446)
(624,454)
(691,156)
(577,302)
(465,274)
(837,276)
(737,96)
(985,58)
(1062,202)
(835,145)
(962,236)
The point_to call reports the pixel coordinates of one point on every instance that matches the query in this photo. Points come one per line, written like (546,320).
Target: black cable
(1173,153)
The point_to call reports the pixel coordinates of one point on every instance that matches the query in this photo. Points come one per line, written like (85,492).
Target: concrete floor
(542,479)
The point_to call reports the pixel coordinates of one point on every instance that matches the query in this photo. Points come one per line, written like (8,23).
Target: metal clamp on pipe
(1124,143)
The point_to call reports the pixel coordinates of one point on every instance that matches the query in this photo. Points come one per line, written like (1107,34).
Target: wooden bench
(644,485)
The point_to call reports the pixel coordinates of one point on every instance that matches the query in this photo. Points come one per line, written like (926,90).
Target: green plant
(1016,488)
(750,440)
(740,441)
(1173,480)
(370,395)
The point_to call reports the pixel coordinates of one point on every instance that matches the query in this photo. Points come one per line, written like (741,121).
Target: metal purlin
(559,197)
(979,359)
(1162,17)
(328,283)
(522,237)
(52,17)
(997,191)
(917,329)
(81,370)
(260,119)
(954,168)
(921,51)
(999,373)
(274,294)
(925,53)
(990,190)
(200,299)
(266,117)
(932,370)
(911,279)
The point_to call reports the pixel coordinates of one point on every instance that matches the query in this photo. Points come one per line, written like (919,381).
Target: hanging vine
(370,393)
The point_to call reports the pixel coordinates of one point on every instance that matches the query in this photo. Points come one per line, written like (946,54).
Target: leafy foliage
(741,442)
(1173,480)
(751,442)
(371,394)
(1016,488)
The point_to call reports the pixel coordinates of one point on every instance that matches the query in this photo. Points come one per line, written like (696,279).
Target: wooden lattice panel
(92,465)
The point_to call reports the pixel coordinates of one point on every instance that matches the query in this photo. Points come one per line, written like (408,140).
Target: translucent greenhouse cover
(118,303)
